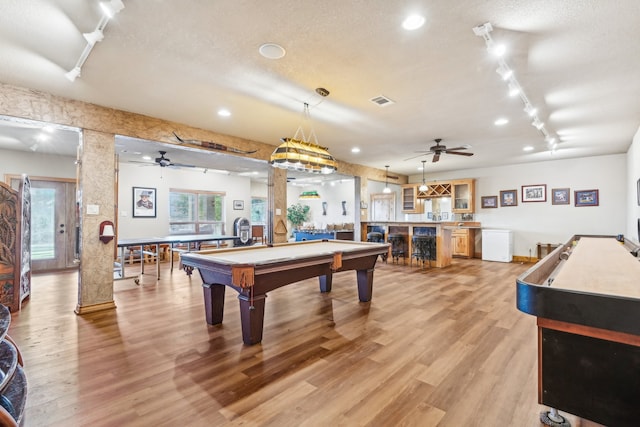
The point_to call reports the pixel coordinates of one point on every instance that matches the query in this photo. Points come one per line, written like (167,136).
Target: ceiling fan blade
(459,153)
(143,163)
(436,157)
(462,147)
(180,165)
(419,155)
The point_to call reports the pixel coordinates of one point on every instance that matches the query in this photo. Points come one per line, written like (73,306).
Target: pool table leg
(365,284)
(213,302)
(252,317)
(326,282)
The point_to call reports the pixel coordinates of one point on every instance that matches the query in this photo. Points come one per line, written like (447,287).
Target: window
(196,212)
(258,210)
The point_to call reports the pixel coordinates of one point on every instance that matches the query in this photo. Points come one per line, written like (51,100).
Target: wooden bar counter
(440,230)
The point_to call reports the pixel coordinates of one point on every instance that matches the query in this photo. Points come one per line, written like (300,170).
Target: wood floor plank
(434,348)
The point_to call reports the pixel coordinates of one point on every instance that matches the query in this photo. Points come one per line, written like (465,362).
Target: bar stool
(397,247)
(424,249)
(377,237)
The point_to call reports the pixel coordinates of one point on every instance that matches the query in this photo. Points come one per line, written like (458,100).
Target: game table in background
(253,271)
(586,297)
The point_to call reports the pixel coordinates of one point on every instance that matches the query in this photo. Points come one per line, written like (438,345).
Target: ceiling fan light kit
(438,149)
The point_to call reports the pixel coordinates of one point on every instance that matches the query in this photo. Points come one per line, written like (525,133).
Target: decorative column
(277,199)
(96,198)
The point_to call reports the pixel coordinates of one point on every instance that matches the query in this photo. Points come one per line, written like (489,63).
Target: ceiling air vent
(382,101)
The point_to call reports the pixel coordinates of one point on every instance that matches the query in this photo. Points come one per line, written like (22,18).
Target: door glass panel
(43,223)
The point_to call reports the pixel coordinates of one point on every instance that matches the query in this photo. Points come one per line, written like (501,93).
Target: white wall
(633,190)
(162,179)
(333,194)
(36,164)
(542,221)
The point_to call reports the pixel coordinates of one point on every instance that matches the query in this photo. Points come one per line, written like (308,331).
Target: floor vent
(382,101)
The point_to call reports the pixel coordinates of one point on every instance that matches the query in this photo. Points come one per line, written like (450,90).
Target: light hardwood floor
(440,347)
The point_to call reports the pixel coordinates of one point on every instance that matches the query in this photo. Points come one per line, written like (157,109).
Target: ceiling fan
(164,162)
(438,149)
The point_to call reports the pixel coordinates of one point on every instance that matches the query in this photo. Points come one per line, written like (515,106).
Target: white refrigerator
(497,245)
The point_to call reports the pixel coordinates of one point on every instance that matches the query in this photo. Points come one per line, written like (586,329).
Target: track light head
(73,74)
(94,36)
(111,7)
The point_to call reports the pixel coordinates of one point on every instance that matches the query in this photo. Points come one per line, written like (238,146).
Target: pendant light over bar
(386,181)
(300,153)
(423,187)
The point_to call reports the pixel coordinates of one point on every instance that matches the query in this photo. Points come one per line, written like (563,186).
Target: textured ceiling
(577,60)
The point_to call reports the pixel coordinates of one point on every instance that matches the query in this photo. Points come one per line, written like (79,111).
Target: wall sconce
(107,232)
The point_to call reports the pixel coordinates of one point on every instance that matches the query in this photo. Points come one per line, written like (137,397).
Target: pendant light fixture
(302,152)
(423,187)
(386,190)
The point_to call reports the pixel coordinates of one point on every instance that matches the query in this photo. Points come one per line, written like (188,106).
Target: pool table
(253,271)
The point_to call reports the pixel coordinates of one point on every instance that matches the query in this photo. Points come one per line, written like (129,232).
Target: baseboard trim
(524,259)
(95,307)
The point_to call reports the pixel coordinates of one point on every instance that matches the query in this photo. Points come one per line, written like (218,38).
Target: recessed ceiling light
(146,157)
(272,51)
(528,148)
(501,121)
(413,22)
(224,112)
(355,150)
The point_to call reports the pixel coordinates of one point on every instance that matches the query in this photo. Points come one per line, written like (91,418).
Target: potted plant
(297,214)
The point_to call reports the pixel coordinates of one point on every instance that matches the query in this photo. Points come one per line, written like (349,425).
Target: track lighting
(109,8)
(536,123)
(530,110)
(94,37)
(514,89)
(73,74)
(506,73)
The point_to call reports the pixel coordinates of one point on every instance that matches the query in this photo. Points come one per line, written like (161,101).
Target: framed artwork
(144,202)
(489,202)
(509,198)
(586,198)
(560,196)
(534,193)
(238,205)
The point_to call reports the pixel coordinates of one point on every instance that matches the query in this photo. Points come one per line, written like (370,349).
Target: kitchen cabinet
(463,242)
(462,192)
(410,202)
(436,189)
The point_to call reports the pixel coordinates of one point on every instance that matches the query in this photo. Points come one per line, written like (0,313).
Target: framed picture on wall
(560,196)
(489,202)
(586,198)
(238,205)
(144,202)
(534,193)
(509,198)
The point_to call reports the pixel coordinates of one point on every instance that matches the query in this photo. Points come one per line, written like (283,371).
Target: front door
(53,230)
